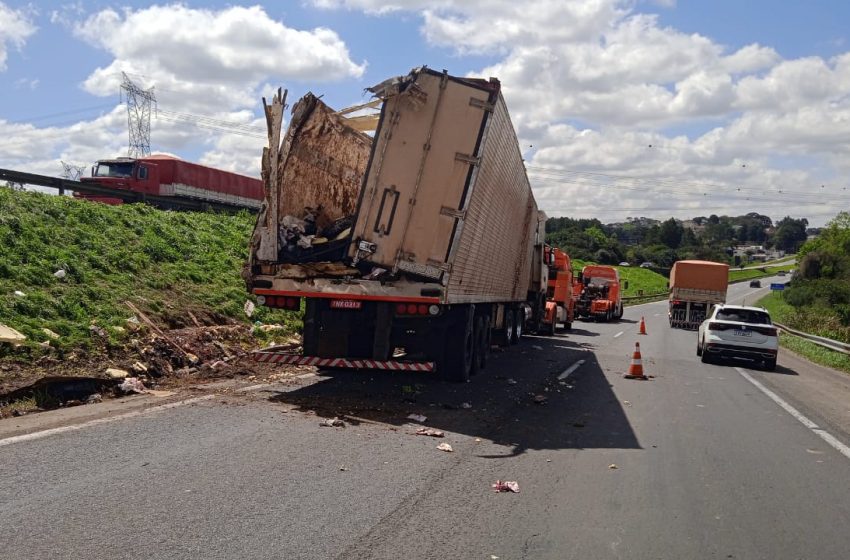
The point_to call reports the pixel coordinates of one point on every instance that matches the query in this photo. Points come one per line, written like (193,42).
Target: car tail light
(767,331)
(718,326)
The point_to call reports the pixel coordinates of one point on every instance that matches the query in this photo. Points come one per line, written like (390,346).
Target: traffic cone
(642,329)
(636,367)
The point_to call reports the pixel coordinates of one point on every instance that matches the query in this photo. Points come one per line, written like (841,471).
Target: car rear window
(743,316)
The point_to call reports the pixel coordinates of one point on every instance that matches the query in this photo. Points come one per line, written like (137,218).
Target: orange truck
(598,293)
(694,287)
(560,305)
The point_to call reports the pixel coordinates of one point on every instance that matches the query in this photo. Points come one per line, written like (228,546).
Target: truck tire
(620,312)
(517,331)
(460,349)
(506,335)
(549,328)
(482,343)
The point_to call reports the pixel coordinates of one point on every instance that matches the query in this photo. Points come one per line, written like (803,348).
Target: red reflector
(401,309)
(271,301)
(411,308)
(422,309)
(345,304)
(291,303)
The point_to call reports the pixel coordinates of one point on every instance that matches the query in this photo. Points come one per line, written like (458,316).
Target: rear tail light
(416,309)
(718,326)
(767,331)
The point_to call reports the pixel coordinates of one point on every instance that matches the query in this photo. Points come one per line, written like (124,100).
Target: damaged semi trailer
(413,249)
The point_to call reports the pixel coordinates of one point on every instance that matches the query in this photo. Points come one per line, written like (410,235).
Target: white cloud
(756,124)
(223,55)
(15,28)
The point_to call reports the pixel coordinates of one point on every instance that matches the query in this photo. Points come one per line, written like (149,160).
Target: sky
(623,108)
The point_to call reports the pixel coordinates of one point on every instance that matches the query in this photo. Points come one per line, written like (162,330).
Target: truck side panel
(500,224)
(416,180)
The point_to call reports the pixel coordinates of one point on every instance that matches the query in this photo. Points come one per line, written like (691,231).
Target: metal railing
(834,345)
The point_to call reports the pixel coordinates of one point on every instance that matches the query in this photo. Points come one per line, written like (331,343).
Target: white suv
(736,331)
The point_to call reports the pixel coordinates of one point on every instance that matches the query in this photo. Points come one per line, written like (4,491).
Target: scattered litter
(133,323)
(430,432)
(60,274)
(132,385)
(376,273)
(612,466)
(445,447)
(536,347)
(540,399)
(579,424)
(139,367)
(466,405)
(627,403)
(332,423)
(477,439)
(511,381)
(343,468)
(248,308)
(417,418)
(94,398)
(116,373)
(19,293)
(505,486)
(99,331)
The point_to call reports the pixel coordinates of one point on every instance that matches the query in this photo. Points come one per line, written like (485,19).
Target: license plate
(743,333)
(346,304)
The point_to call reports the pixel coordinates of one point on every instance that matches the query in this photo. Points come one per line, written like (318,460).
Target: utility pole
(139,102)
(71,172)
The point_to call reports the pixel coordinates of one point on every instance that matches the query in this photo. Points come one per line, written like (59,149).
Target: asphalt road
(707,464)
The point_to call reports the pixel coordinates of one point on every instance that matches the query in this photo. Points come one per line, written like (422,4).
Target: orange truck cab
(600,296)
(560,306)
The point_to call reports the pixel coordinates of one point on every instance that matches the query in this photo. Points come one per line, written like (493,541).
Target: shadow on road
(500,404)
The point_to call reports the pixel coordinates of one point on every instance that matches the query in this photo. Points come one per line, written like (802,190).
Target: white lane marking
(657,315)
(567,372)
(619,334)
(62,429)
(823,434)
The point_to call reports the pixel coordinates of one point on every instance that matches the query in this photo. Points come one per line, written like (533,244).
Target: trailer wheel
(506,337)
(568,326)
(518,326)
(460,349)
(482,343)
(620,312)
(550,328)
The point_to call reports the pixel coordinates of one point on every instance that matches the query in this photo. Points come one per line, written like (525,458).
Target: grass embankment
(738,275)
(641,281)
(167,263)
(814,321)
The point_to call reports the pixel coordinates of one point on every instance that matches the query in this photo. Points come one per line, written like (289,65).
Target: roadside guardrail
(835,345)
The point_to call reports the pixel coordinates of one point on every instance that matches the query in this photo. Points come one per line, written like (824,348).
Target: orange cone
(642,329)
(636,367)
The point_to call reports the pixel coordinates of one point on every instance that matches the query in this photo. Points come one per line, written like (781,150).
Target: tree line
(639,240)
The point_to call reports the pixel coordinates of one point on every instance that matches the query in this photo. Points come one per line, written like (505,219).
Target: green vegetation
(750,273)
(783,312)
(640,240)
(167,263)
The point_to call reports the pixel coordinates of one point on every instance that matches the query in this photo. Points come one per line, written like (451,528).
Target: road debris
(627,403)
(60,274)
(19,293)
(132,385)
(332,423)
(505,486)
(612,466)
(94,398)
(540,399)
(417,418)
(511,381)
(536,347)
(430,432)
(248,308)
(445,447)
(466,405)
(116,373)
